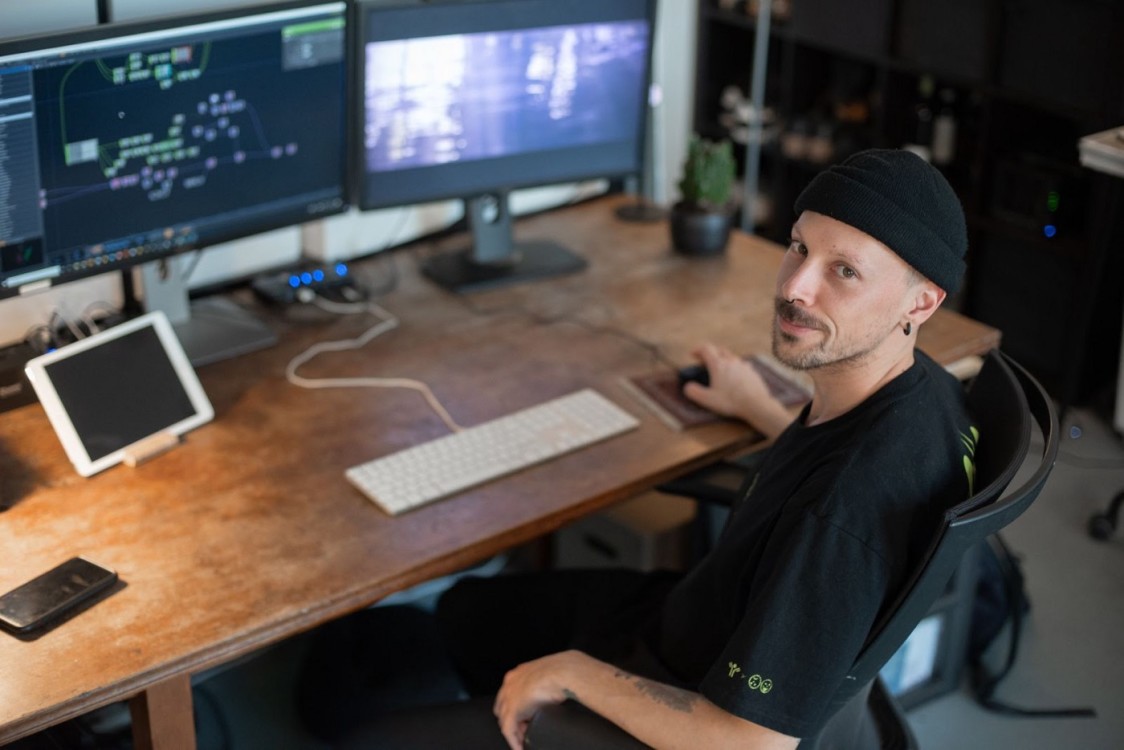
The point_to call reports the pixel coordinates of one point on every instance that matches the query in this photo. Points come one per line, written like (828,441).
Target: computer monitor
(476,98)
(128,143)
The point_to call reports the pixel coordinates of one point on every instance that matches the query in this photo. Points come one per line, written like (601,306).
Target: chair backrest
(1004,401)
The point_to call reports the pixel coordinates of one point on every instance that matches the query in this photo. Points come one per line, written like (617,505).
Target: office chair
(1004,400)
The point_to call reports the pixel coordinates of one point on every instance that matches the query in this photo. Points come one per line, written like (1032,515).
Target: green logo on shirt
(755,682)
(970,443)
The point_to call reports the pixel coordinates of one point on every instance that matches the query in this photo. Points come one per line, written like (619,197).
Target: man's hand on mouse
(733,381)
(736,390)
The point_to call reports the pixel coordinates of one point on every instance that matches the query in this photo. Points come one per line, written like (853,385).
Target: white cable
(91,324)
(77,334)
(386,323)
(340,308)
(102,305)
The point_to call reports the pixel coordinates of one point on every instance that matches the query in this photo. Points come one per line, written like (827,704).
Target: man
(750,647)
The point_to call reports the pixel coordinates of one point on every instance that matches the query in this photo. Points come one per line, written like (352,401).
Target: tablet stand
(150,447)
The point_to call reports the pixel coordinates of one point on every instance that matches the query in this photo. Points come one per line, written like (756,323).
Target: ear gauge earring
(908,329)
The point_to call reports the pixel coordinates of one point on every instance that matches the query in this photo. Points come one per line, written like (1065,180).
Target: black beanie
(902,201)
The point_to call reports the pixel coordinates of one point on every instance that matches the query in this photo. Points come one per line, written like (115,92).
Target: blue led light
(306,278)
(294,281)
(341,269)
(1049,230)
(318,275)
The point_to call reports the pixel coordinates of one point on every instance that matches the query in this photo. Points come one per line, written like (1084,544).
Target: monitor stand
(210,329)
(495,259)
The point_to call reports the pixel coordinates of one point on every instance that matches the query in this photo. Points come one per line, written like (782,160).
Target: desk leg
(163,717)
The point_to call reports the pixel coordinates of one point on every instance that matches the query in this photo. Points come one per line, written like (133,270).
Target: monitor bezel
(175,24)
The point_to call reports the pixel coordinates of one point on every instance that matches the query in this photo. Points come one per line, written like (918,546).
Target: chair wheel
(1101,526)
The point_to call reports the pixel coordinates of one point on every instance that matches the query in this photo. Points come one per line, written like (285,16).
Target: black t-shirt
(769,623)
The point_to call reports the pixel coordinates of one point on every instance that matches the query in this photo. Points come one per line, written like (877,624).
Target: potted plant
(700,221)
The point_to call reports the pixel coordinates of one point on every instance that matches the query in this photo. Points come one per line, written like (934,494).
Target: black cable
(653,349)
(193,263)
(546,320)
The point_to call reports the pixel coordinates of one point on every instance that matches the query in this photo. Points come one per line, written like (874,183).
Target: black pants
(373,678)
(490,625)
(373,663)
(463,725)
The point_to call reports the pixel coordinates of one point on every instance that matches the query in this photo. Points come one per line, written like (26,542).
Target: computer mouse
(696,373)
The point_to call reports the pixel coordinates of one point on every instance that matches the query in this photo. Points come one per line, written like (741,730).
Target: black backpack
(1001,599)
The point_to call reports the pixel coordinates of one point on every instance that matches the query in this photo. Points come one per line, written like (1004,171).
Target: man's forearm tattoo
(672,697)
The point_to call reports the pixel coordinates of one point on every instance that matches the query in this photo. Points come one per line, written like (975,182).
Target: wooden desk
(248,533)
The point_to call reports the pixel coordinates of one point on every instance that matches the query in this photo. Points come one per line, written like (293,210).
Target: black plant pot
(696,231)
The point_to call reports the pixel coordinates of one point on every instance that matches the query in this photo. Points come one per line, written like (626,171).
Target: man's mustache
(793,314)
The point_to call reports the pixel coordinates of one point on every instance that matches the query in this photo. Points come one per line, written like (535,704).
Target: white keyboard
(441,467)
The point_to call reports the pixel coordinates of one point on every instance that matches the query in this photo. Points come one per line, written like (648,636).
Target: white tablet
(112,394)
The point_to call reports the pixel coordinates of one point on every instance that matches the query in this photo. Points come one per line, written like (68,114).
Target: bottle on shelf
(821,143)
(944,129)
(921,142)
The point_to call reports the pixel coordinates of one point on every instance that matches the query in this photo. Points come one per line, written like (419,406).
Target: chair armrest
(719,483)
(569,725)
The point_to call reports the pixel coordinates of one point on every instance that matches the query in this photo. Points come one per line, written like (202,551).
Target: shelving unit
(1025,80)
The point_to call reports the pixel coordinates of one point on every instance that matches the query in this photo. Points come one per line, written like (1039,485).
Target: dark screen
(120,391)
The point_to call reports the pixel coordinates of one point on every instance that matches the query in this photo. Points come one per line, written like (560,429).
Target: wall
(353,233)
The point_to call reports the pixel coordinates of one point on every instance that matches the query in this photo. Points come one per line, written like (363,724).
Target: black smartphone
(47,597)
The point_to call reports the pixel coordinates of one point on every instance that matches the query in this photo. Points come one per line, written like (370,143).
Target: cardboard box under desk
(648,532)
